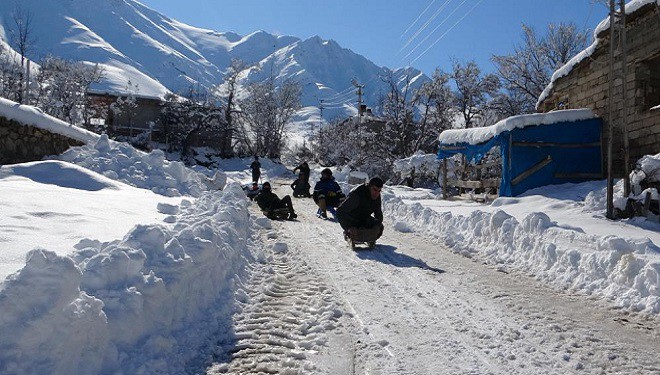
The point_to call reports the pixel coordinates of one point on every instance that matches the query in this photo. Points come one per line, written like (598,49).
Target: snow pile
(418,165)
(626,271)
(475,136)
(648,168)
(145,304)
(122,162)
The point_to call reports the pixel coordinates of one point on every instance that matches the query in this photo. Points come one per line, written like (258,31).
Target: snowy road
(413,307)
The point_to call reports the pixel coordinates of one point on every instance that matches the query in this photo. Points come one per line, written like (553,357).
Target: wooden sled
(277,214)
(362,236)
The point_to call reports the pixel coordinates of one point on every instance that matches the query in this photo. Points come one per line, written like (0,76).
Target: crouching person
(327,193)
(355,213)
(274,207)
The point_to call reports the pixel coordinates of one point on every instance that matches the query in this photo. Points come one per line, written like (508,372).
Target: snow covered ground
(144,266)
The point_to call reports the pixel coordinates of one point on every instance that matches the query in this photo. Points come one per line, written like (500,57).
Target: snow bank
(122,162)
(626,271)
(475,136)
(149,303)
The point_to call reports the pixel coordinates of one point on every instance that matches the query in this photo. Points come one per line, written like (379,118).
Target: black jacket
(268,201)
(356,210)
(303,169)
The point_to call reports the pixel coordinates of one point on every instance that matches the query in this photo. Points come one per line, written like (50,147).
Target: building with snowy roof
(584,82)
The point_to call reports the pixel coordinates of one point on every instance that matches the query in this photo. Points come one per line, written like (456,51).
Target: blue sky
(390,32)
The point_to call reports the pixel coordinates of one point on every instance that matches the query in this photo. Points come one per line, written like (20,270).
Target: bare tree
(474,91)
(398,112)
(435,99)
(265,113)
(21,38)
(527,71)
(228,92)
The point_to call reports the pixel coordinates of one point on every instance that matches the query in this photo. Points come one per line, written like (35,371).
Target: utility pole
(359,93)
(624,115)
(610,125)
(321,115)
(624,109)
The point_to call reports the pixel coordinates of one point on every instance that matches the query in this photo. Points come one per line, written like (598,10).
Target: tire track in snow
(283,316)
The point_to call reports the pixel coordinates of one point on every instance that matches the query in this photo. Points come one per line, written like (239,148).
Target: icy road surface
(413,307)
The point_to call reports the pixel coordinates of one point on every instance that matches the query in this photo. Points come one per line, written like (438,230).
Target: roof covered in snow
(631,7)
(475,136)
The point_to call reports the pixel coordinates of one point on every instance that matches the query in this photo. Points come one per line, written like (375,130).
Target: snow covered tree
(185,118)
(474,92)
(527,71)
(10,75)
(62,88)
(124,110)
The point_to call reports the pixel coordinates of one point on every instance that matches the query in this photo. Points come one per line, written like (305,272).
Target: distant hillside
(160,54)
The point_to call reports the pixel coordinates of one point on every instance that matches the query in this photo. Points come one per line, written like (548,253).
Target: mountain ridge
(160,54)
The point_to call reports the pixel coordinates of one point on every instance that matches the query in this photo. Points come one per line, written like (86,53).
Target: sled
(362,236)
(277,214)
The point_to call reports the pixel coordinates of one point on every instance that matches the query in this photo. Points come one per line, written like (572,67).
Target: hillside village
(560,190)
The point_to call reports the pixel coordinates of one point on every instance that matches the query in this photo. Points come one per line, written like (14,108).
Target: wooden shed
(534,150)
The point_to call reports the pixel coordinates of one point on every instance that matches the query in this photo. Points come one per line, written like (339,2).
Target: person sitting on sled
(327,193)
(269,203)
(301,187)
(355,213)
(304,170)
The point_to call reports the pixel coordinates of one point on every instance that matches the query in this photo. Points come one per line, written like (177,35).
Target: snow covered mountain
(159,54)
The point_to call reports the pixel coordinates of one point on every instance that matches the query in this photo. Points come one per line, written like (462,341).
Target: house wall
(20,143)
(587,86)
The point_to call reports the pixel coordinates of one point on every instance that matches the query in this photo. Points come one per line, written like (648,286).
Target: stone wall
(21,143)
(587,86)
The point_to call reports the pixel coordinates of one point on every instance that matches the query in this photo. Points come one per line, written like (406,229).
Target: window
(648,83)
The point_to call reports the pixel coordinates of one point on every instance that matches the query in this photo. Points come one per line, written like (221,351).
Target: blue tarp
(573,151)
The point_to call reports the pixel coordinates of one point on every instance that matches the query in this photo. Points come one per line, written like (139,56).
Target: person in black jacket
(362,208)
(304,169)
(269,202)
(256,169)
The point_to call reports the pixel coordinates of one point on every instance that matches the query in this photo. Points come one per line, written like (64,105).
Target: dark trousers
(255,175)
(287,203)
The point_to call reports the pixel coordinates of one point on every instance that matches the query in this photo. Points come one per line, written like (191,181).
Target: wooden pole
(610,125)
(624,115)
(444,179)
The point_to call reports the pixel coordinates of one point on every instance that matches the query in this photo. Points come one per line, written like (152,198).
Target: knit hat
(376,181)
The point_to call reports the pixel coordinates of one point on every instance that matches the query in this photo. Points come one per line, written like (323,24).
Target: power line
(418,17)
(445,33)
(433,17)
(434,30)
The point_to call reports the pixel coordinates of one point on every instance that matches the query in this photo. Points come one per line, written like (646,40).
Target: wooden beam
(470,184)
(535,168)
(452,148)
(581,175)
(555,144)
